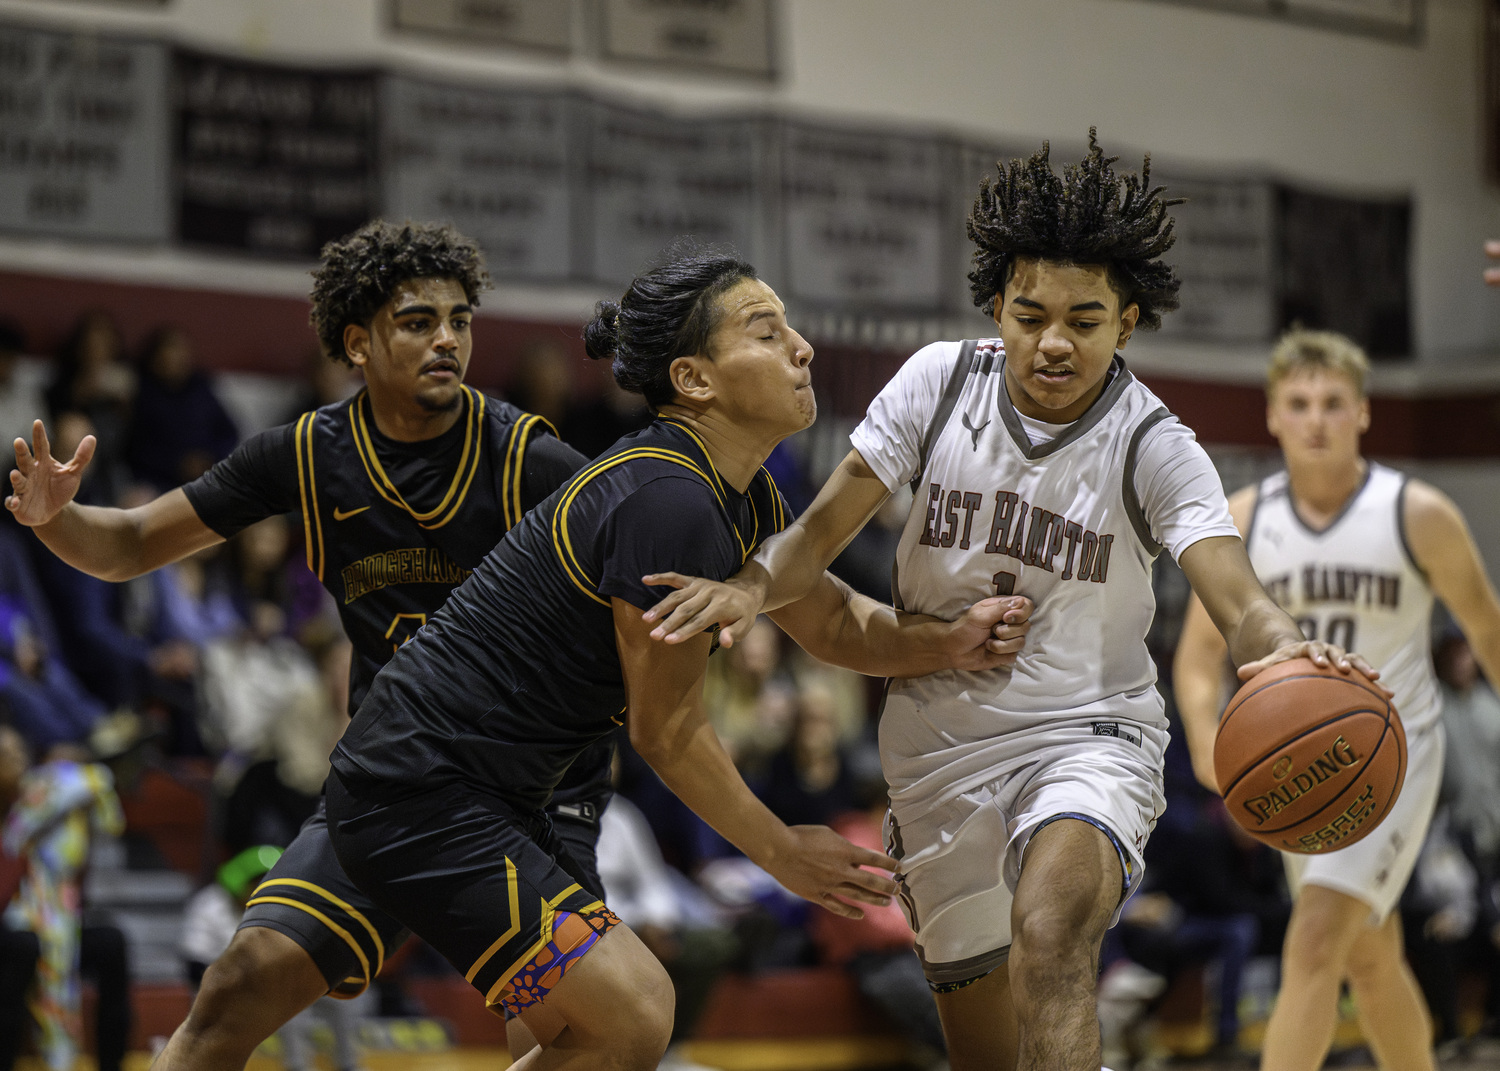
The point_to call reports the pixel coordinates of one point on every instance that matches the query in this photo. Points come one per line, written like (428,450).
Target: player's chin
(440,397)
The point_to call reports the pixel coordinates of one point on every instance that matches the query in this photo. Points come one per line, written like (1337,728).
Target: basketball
(1309,759)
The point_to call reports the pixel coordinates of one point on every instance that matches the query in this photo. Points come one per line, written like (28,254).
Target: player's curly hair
(1088,215)
(360,270)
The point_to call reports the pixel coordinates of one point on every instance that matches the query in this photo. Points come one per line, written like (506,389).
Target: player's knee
(262,976)
(644,1028)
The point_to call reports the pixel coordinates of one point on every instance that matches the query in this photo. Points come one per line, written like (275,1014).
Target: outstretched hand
(825,868)
(698,604)
(41,484)
(1321,654)
(991,633)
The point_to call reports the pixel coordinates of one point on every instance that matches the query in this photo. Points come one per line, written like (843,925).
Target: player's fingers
(41,449)
(860,895)
(23,453)
(668,601)
(1492,247)
(838,907)
(85,452)
(1020,610)
(1492,276)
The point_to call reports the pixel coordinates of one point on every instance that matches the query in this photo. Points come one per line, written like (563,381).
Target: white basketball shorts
(961,855)
(1376,868)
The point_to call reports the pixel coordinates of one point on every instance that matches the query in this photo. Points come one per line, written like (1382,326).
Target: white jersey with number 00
(1073,522)
(1353,583)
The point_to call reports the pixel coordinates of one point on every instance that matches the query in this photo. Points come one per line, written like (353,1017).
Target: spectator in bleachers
(22,385)
(179,428)
(1439,909)
(93,393)
(808,780)
(1471,772)
(750,697)
(45,701)
(63,804)
(19,948)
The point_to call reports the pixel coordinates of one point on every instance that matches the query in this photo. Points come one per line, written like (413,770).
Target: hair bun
(601,336)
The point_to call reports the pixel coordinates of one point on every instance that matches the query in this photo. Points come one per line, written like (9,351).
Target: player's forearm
(693,764)
(102,541)
(786,568)
(1262,628)
(880,641)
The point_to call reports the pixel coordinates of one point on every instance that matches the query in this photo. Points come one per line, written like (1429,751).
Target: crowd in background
(234,660)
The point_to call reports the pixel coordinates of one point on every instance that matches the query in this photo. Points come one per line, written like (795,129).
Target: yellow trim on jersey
(780,519)
(307,487)
(326,921)
(515,455)
(691,434)
(564,546)
(463,475)
(349,909)
(515,923)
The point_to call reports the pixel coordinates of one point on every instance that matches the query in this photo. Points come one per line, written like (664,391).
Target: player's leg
(576,825)
(1070,885)
(1325,924)
(612,1011)
(1392,1012)
(959,907)
(469,874)
(262,980)
(979,1023)
(308,930)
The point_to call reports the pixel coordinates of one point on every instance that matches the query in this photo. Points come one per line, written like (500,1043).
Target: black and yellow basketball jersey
(519,672)
(391,528)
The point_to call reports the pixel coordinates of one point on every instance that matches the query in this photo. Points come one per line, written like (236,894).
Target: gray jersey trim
(1291,502)
(1120,379)
(946,401)
(963,970)
(1131,495)
(1401,526)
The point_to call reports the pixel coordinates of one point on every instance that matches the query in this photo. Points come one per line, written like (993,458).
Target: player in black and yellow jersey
(402,489)
(435,804)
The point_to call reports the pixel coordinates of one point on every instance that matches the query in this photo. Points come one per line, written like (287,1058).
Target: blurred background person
(178,427)
(93,393)
(63,804)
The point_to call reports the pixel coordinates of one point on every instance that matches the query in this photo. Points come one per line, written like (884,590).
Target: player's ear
(690,378)
(1129,316)
(1364,415)
(357,343)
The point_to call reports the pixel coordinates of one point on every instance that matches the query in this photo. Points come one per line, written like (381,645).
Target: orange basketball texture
(1309,759)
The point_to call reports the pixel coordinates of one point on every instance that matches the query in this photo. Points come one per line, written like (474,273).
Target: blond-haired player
(1355,552)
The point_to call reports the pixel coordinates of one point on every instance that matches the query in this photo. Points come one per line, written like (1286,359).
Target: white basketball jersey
(1354,583)
(1059,522)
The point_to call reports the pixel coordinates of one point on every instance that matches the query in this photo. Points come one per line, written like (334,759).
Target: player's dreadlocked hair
(1089,215)
(360,271)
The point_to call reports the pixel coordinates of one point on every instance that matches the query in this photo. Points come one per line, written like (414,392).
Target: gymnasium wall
(1206,92)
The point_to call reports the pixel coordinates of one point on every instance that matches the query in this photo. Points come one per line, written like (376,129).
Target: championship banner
(1345,265)
(1225,255)
(867,219)
(727,35)
(652,178)
(83,131)
(528,23)
(272,159)
(495,163)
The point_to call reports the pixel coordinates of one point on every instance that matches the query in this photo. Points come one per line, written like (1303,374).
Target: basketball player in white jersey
(1355,552)
(1021,801)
